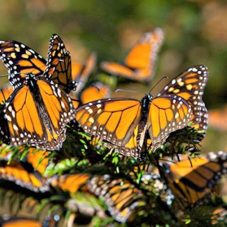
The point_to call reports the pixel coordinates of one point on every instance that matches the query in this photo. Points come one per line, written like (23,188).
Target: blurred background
(195,33)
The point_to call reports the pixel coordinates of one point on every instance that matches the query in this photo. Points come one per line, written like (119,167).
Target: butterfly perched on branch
(37,111)
(191,180)
(130,125)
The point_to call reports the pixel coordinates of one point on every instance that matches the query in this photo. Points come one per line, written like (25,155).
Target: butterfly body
(135,124)
(142,128)
(126,124)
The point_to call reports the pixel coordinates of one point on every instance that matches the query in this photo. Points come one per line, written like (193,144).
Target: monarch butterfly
(23,175)
(192,180)
(18,222)
(38,159)
(70,183)
(21,61)
(122,198)
(139,63)
(127,123)
(37,119)
(37,111)
(81,72)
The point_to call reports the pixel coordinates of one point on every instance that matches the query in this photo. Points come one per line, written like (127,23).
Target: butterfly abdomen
(143,127)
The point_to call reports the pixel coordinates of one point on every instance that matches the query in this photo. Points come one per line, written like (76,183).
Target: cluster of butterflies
(38,106)
(190,181)
(45,95)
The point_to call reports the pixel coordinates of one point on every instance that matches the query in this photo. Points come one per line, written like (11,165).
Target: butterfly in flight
(21,61)
(128,124)
(37,111)
(139,64)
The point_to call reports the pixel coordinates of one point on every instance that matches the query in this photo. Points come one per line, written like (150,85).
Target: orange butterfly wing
(117,121)
(38,121)
(94,92)
(59,67)
(70,183)
(167,114)
(190,85)
(112,120)
(192,180)
(139,63)
(19,222)
(76,103)
(81,73)
(38,159)
(5,94)
(16,173)
(144,53)
(118,69)
(22,61)
(122,198)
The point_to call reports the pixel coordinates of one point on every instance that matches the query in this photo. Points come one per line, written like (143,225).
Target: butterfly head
(145,102)
(29,78)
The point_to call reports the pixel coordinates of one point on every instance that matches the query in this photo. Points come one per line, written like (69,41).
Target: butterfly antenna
(167,160)
(3,75)
(79,80)
(158,82)
(96,86)
(124,90)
